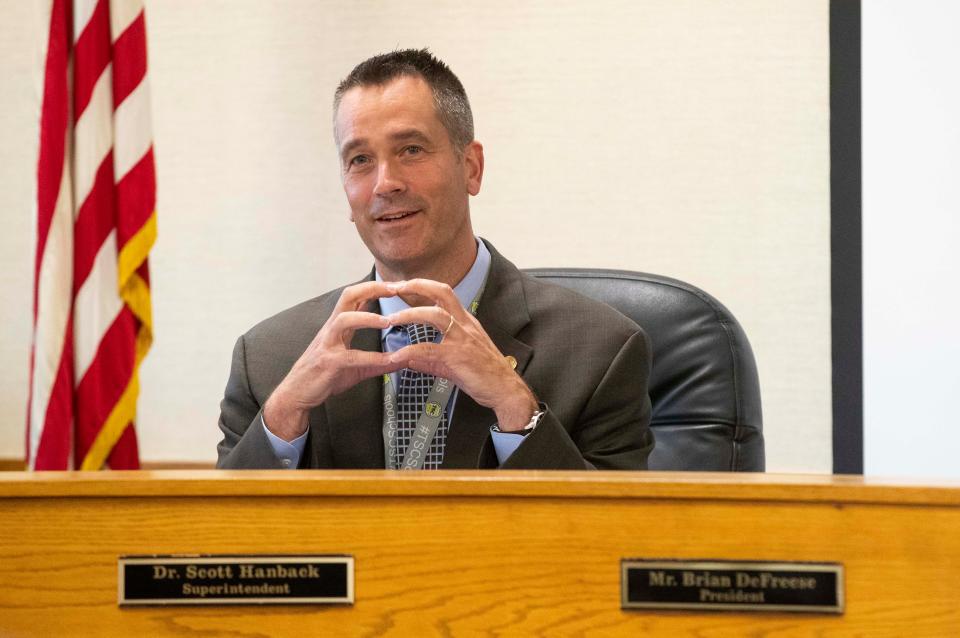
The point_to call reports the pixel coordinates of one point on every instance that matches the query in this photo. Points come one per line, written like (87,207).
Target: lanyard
(427,423)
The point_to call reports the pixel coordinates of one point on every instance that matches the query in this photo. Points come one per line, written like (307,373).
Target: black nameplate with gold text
(235,580)
(732,585)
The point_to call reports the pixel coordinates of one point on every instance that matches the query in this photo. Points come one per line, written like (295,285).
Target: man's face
(408,188)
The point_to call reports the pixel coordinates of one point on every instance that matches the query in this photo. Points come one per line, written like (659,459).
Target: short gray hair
(449,97)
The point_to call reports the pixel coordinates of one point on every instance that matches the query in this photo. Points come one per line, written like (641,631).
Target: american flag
(96,222)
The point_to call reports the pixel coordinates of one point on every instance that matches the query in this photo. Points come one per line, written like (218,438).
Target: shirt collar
(466,291)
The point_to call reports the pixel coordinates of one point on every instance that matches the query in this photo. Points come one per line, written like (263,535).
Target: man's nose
(389,179)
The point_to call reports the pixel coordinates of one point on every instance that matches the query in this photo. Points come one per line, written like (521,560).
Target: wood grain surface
(473,553)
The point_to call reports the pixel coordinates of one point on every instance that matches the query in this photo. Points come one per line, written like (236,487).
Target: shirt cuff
(289,453)
(505,444)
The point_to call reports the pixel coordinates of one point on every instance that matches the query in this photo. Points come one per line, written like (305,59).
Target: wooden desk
(474,553)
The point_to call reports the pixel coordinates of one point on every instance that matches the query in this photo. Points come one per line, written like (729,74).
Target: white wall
(911,232)
(21,54)
(683,137)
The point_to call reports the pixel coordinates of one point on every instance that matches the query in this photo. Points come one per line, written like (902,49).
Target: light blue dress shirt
(394,338)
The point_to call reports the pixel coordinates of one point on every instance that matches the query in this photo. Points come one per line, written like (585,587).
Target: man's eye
(413,150)
(359,160)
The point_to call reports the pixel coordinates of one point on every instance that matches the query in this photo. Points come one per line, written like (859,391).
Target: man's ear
(473,166)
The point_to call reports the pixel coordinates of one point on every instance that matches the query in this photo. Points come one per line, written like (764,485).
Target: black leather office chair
(703,386)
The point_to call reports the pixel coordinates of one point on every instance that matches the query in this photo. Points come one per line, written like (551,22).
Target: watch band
(525,430)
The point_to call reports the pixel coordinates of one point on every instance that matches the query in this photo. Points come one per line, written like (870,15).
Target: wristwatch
(525,430)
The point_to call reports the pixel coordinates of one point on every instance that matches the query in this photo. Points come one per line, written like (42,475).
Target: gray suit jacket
(588,363)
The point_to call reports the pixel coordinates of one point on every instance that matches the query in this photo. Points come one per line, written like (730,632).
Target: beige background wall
(687,138)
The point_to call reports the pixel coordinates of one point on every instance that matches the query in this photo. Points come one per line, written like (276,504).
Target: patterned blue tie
(412,396)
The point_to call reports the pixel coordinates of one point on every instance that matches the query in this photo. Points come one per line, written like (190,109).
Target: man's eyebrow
(409,134)
(406,135)
(349,146)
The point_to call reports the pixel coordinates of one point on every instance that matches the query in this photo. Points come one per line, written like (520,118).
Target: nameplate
(235,580)
(732,585)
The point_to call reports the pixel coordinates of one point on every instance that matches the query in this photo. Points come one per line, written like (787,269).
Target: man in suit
(538,377)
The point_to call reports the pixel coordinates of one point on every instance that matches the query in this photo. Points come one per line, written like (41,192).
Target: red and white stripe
(96,222)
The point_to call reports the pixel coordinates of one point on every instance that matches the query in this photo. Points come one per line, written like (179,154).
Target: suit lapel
(503,314)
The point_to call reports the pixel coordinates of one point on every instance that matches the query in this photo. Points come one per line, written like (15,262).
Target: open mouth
(395,217)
